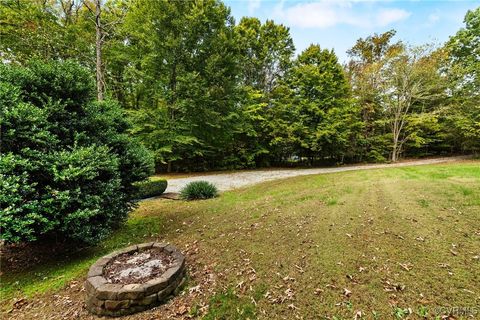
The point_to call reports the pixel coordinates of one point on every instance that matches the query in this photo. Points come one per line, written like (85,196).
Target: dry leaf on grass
(289,292)
(358,315)
(406,266)
(195,289)
(300,269)
(181,310)
(318,291)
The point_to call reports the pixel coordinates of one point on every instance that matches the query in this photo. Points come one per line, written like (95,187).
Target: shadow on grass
(36,268)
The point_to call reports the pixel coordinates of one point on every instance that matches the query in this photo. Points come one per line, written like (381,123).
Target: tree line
(203,91)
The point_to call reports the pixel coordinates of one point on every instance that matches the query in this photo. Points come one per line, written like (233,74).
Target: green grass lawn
(373,242)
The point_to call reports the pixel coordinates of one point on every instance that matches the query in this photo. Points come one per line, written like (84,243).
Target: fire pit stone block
(109,299)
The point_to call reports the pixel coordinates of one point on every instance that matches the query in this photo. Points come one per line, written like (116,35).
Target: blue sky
(338,24)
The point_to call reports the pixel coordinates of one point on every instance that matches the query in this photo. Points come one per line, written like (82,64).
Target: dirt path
(229,181)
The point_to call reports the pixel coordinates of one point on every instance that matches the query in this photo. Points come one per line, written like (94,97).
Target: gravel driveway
(229,181)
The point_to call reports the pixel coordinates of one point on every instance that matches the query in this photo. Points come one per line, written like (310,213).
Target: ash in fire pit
(134,279)
(138,267)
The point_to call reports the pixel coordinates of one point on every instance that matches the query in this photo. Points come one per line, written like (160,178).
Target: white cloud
(253,5)
(312,15)
(433,18)
(323,14)
(388,16)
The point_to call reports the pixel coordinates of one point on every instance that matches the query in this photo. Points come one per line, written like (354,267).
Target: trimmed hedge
(148,189)
(67,163)
(199,190)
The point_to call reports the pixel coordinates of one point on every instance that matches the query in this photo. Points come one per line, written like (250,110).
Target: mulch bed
(22,257)
(138,267)
(171,196)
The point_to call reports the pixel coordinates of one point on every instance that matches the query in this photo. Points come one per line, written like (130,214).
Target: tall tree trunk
(396,134)
(98,48)
(173,88)
(394,151)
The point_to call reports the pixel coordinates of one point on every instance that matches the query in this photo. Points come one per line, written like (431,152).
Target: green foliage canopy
(316,115)
(204,92)
(182,56)
(463,114)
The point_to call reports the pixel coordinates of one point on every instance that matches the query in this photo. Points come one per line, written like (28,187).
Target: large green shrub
(150,188)
(67,165)
(199,190)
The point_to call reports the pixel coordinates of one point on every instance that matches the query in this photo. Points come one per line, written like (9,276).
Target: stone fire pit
(134,279)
